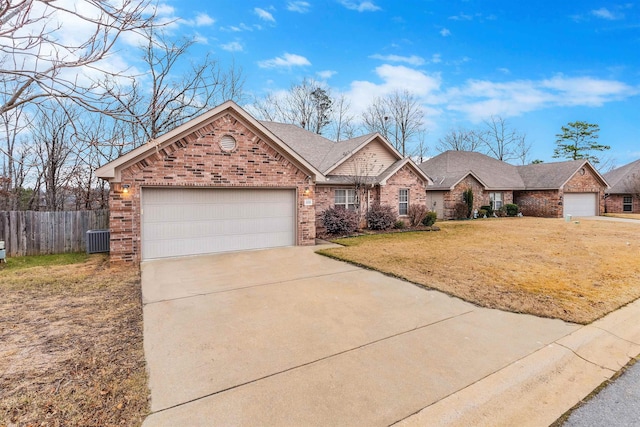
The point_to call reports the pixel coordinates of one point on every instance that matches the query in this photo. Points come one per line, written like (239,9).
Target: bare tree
(421,149)
(398,117)
(632,184)
(55,147)
(365,168)
(159,100)
(307,104)
(460,139)
(14,155)
(37,64)
(502,142)
(343,120)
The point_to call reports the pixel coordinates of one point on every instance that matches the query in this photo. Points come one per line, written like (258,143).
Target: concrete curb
(542,386)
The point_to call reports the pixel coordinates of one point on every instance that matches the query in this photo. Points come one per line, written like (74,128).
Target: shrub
(512,209)
(338,220)
(460,210)
(429,219)
(488,209)
(416,214)
(399,224)
(380,217)
(482,213)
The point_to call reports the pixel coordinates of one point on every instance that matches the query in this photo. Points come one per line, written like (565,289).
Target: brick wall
(195,161)
(587,183)
(455,196)
(614,204)
(386,194)
(548,203)
(404,178)
(539,203)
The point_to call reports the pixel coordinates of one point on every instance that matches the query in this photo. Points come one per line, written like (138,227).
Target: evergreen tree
(577,141)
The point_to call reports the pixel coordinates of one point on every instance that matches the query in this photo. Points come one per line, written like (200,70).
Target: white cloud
(286,60)
(504,70)
(412,60)
(461,17)
(264,15)
(202,20)
(232,47)
(605,13)
(394,77)
(436,58)
(237,28)
(445,32)
(360,6)
(326,74)
(479,99)
(298,6)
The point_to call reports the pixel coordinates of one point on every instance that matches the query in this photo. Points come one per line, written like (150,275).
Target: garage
(581,204)
(193,221)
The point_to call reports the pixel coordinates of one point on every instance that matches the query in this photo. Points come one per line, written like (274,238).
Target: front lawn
(575,271)
(623,215)
(71,343)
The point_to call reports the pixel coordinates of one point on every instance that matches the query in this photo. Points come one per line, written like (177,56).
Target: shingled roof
(327,155)
(618,178)
(450,167)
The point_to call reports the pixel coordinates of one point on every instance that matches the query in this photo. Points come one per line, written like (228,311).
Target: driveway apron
(288,337)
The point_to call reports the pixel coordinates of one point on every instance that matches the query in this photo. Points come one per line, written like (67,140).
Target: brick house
(623,195)
(225,181)
(544,190)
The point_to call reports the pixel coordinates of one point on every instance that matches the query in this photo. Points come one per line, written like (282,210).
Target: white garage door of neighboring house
(180,221)
(580,204)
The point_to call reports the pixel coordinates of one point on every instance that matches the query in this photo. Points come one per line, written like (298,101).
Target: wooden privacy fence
(39,233)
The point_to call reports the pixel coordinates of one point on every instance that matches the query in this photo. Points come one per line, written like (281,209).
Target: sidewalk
(538,389)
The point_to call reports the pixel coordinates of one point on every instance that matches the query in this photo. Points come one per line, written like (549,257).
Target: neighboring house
(225,181)
(623,195)
(545,189)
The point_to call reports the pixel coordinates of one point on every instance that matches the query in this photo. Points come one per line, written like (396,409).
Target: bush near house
(416,214)
(430,219)
(488,209)
(399,225)
(460,211)
(512,209)
(338,220)
(380,217)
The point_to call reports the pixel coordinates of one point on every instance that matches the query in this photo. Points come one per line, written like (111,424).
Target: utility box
(98,241)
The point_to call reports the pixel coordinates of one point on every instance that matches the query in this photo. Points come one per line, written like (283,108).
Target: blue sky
(538,64)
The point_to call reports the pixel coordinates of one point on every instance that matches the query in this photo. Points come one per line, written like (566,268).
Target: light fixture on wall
(125,188)
(306,191)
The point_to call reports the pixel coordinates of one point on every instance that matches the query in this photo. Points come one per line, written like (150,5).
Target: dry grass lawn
(547,267)
(623,215)
(71,346)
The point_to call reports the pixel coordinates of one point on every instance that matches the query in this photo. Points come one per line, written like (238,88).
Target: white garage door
(179,221)
(580,204)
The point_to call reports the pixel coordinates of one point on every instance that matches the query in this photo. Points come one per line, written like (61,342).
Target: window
(496,200)
(627,204)
(403,201)
(346,199)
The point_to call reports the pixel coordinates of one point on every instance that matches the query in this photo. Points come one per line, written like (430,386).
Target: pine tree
(577,141)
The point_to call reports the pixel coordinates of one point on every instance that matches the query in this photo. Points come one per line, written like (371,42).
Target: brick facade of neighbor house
(404,178)
(549,203)
(587,183)
(455,196)
(539,203)
(200,162)
(614,203)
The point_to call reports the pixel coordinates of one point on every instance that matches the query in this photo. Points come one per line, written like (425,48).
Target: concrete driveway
(289,337)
